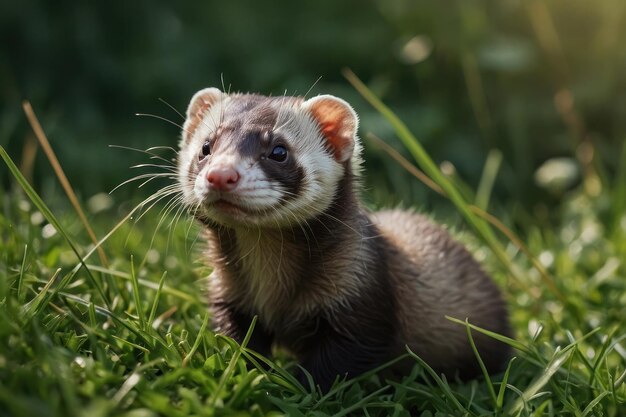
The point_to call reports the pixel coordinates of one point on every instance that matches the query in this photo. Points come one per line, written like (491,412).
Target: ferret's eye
(278,154)
(206,148)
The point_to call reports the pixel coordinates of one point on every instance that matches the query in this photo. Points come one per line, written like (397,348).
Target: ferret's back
(435,276)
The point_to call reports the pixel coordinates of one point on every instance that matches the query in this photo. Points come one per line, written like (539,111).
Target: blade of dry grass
(494,221)
(58,170)
(428,165)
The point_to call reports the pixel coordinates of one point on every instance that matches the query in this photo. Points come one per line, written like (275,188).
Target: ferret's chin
(228,208)
(226,213)
(236,215)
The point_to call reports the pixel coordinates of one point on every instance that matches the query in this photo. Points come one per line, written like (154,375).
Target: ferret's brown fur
(344,289)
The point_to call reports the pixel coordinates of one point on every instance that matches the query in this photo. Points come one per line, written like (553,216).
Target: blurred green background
(533,79)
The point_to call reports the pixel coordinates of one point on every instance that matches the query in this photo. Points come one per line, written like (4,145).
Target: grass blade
(488,179)
(135,284)
(443,385)
(282,377)
(231,366)
(20,279)
(361,403)
(43,208)
(143,282)
(620,380)
(483,368)
(30,309)
(557,361)
(157,297)
(197,341)
(503,386)
(504,339)
(92,315)
(618,206)
(593,403)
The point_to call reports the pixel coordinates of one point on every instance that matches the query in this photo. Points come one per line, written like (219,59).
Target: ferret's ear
(338,123)
(200,103)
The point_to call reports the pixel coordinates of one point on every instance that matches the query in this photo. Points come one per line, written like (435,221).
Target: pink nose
(222,178)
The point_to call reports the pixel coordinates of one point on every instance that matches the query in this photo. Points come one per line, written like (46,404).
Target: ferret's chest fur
(282,275)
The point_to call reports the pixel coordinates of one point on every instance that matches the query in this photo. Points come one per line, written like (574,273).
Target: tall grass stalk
(430,168)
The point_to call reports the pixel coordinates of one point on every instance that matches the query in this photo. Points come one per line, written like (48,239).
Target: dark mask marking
(247,124)
(289,174)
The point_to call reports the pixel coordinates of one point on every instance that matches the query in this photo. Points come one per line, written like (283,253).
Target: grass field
(125,331)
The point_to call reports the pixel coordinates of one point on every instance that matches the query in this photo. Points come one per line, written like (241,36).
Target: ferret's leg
(233,323)
(334,353)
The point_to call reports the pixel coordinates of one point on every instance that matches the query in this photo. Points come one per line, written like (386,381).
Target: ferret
(275,183)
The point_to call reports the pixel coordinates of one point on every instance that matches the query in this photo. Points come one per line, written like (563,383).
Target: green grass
(78,338)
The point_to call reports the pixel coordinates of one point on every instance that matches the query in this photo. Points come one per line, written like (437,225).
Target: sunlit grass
(79,338)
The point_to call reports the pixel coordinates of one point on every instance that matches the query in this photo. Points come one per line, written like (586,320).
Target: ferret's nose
(222,178)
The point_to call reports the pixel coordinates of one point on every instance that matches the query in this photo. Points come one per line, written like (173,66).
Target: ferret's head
(250,160)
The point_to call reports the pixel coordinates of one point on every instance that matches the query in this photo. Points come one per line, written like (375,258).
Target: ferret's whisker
(326,214)
(169,168)
(168,162)
(173,204)
(172,107)
(155,177)
(147,151)
(153,203)
(223,86)
(160,222)
(141,177)
(140,206)
(165,119)
(169,205)
(169,148)
(169,189)
(192,214)
(280,111)
(280,255)
(313,86)
(301,224)
(177,216)
(164,212)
